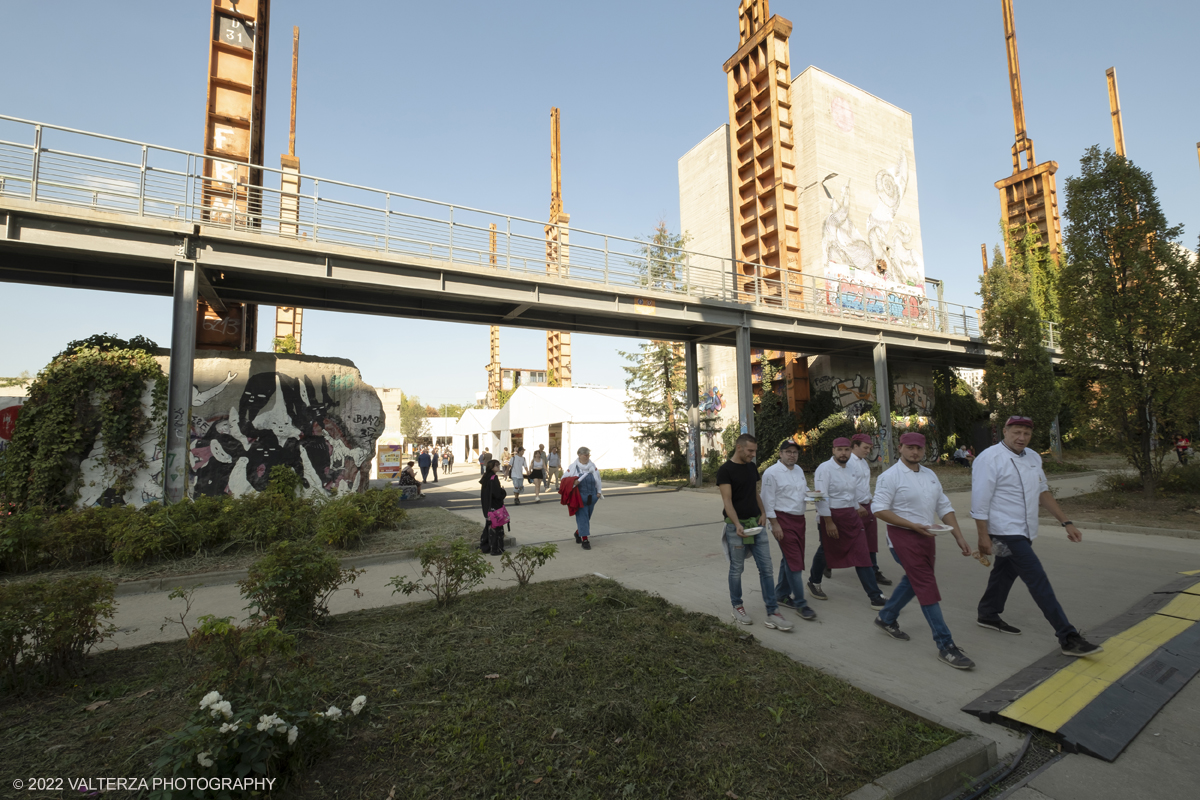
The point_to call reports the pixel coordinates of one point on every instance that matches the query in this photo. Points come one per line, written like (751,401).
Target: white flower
(210,699)
(231,726)
(358,704)
(293,732)
(273,721)
(204,760)
(223,709)
(333,713)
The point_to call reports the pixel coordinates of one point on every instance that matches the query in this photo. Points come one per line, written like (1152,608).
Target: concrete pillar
(745,386)
(883,396)
(695,463)
(179,386)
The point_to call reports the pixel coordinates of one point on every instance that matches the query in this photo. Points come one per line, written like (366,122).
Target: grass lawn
(419,526)
(577,688)
(1179,511)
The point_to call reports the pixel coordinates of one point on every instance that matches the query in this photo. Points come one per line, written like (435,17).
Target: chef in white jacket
(843,541)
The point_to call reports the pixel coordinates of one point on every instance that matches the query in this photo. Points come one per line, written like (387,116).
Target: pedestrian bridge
(86,210)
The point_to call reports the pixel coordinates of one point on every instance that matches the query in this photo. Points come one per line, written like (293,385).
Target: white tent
(474,431)
(570,419)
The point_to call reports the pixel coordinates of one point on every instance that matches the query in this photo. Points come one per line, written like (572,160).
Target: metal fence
(71,167)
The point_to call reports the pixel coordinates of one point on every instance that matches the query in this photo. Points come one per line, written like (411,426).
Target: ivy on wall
(92,389)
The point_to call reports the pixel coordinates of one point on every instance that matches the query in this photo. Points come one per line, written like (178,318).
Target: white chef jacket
(1005,489)
(916,496)
(783,490)
(863,470)
(838,483)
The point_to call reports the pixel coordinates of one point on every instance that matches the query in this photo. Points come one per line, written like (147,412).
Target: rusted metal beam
(295,74)
(1114,108)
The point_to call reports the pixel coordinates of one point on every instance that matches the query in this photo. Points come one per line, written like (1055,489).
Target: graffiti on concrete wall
(10,407)
(324,430)
(912,398)
(96,482)
(853,395)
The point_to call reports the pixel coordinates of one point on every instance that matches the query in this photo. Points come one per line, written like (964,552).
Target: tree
(17,381)
(657,395)
(955,409)
(1130,299)
(1018,377)
(413,418)
(1029,256)
(664,264)
(451,410)
(773,420)
(431,411)
(287,344)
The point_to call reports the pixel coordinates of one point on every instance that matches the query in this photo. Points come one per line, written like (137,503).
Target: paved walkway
(669,543)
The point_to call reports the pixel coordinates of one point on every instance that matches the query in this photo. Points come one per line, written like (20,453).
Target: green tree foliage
(663,264)
(1130,299)
(92,390)
(955,409)
(657,395)
(1029,256)
(451,410)
(17,381)
(414,422)
(773,420)
(287,344)
(1018,377)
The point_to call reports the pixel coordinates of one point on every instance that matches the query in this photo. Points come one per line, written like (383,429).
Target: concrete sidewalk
(669,543)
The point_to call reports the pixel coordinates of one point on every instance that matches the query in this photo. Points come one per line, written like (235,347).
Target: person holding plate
(910,499)
(783,491)
(860,453)
(1007,487)
(843,540)
(742,507)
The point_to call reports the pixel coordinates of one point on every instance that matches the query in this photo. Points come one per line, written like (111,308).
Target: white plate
(752,531)
(939,528)
(815,496)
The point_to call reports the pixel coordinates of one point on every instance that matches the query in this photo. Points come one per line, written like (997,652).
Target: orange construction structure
(289,320)
(558,251)
(1114,108)
(1029,195)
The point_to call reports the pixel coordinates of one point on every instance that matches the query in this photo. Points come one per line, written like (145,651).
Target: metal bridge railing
(72,167)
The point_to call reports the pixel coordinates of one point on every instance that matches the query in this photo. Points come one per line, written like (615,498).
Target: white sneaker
(740,615)
(776,620)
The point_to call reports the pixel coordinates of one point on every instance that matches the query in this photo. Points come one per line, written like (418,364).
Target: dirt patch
(577,688)
(1180,512)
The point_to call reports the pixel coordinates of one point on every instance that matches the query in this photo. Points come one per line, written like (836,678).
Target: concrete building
(860,237)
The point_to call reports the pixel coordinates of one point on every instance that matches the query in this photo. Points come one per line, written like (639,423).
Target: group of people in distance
(428,459)
(1008,488)
(580,487)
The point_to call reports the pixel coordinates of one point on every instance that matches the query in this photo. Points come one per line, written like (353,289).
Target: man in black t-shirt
(741,506)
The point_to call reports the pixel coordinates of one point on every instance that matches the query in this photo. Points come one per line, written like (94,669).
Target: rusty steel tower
(493,367)
(558,250)
(1114,108)
(289,320)
(1028,195)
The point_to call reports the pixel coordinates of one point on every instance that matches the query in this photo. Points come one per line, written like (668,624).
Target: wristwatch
(1068,522)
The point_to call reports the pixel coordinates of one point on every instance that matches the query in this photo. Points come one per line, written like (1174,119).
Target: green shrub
(527,559)
(293,582)
(48,627)
(340,524)
(268,517)
(381,506)
(451,569)
(20,537)
(241,655)
(1182,480)
(283,480)
(82,537)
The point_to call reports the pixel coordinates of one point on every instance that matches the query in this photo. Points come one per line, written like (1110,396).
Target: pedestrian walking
(1007,487)
(506,463)
(537,471)
(554,465)
(433,463)
(843,539)
(484,458)
(1183,447)
(861,448)
(491,498)
(587,480)
(742,510)
(909,498)
(449,463)
(783,495)
(517,465)
(423,462)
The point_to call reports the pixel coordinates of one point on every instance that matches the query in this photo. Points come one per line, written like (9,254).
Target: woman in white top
(588,483)
(537,471)
(517,467)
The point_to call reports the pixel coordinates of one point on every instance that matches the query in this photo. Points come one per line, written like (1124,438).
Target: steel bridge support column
(745,388)
(883,396)
(695,463)
(179,386)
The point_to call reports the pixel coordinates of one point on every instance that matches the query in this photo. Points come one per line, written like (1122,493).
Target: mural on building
(10,407)
(884,274)
(854,395)
(96,483)
(712,401)
(912,398)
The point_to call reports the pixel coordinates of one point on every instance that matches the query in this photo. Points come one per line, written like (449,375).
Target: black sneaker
(806,613)
(892,630)
(955,657)
(877,603)
(586,544)
(788,602)
(828,572)
(1076,645)
(998,624)
(517,501)
(816,591)
(881,579)
(577,539)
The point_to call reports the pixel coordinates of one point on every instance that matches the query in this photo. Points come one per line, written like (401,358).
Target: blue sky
(451,101)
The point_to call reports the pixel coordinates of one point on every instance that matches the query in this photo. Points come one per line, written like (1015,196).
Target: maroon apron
(793,539)
(917,554)
(850,548)
(871,526)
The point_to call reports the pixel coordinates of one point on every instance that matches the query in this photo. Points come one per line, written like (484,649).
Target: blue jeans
(590,497)
(933,613)
(790,584)
(1023,564)
(761,550)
